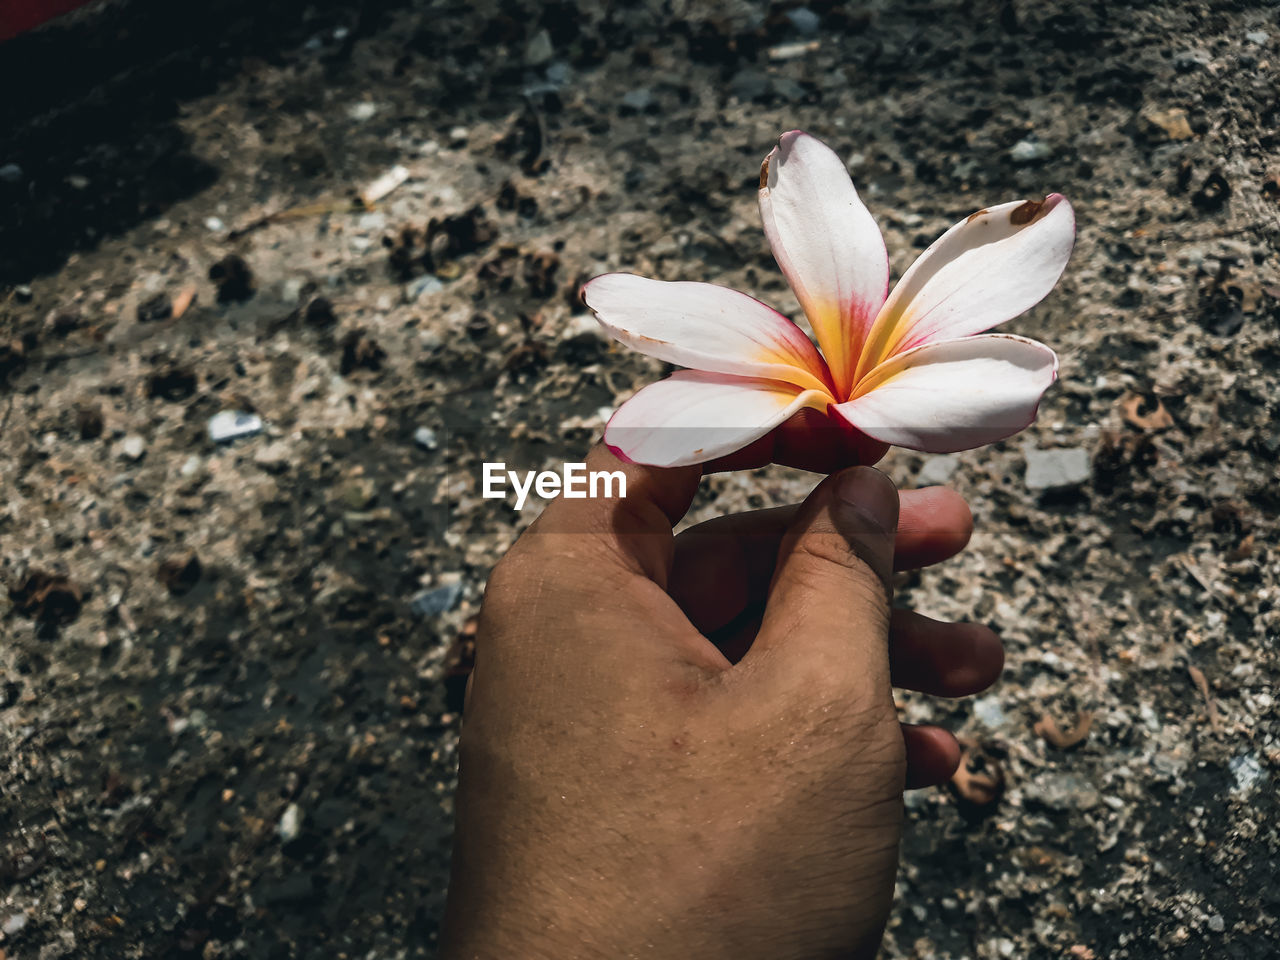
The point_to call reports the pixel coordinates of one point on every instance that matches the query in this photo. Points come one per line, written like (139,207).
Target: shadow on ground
(91,125)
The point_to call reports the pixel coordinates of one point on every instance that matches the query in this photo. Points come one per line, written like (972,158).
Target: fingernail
(869,500)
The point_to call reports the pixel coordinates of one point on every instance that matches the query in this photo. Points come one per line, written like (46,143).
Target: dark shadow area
(91,145)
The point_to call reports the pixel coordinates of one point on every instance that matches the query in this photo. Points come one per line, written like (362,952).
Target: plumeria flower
(910,368)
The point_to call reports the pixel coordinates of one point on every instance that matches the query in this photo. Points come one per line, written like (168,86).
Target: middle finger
(724,566)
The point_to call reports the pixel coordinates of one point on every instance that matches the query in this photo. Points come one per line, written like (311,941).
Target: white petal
(954,394)
(692,417)
(704,327)
(827,244)
(983,271)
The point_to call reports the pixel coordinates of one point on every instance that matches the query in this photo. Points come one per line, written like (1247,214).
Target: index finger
(724,564)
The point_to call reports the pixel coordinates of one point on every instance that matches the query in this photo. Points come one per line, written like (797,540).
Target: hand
(657,764)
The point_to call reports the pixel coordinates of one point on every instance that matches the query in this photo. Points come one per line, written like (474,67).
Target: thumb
(827,617)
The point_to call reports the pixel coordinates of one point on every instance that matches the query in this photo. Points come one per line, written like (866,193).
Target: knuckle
(836,550)
(827,547)
(815,558)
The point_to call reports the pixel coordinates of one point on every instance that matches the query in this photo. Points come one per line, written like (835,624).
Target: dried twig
(293,213)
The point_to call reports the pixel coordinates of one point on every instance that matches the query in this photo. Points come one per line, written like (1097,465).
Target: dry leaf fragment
(1200,577)
(1047,728)
(1139,411)
(1243,550)
(48,597)
(978,782)
(180,572)
(1171,124)
(186,296)
(1202,684)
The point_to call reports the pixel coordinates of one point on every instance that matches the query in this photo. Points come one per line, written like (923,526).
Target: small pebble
(1029,151)
(749,84)
(1056,469)
(14,924)
(274,457)
(539,51)
(423,286)
(804,20)
(213,224)
(1190,59)
(291,289)
(638,100)
(989,712)
(788,89)
(1062,791)
(1248,773)
(425,437)
(437,600)
(290,824)
(937,470)
(11,173)
(364,110)
(384,185)
(230,424)
(132,447)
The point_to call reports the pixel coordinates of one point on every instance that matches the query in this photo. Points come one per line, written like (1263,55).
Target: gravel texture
(231,663)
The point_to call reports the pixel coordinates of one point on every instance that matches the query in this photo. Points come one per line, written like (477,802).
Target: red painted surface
(19,15)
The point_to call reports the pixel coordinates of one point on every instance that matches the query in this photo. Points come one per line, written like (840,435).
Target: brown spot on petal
(1025,213)
(764,173)
(654,340)
(975,216)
